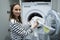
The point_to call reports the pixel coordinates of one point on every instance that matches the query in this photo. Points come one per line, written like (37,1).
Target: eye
(19,9)
(16,9)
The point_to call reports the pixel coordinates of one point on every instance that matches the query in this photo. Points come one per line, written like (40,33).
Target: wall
(4,6)
(56,5)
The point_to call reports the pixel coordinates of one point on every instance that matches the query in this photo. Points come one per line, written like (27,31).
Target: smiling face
(16,10)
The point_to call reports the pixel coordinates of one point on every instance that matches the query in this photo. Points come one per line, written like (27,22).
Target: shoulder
(13,21)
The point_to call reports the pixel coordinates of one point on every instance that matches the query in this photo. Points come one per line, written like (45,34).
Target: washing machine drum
(36,16)
(33,15)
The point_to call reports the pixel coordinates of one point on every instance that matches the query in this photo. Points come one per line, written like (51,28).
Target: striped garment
(17,30)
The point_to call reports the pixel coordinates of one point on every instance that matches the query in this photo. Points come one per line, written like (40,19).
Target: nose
(18,11)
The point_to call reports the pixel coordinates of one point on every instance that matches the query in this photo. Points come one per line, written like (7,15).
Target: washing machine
(43,9)
(32,8)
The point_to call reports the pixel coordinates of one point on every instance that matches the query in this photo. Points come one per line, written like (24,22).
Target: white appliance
(40,8)
(30,9)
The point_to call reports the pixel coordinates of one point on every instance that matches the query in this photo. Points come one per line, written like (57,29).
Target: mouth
(17,14)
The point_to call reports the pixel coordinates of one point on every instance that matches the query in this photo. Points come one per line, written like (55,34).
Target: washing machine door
(52,20)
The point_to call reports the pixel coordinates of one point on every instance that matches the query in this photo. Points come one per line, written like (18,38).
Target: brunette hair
(12,15)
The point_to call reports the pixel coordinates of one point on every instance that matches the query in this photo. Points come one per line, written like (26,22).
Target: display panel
(36,0)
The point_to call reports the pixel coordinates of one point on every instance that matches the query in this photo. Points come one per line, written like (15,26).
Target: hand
(34,25)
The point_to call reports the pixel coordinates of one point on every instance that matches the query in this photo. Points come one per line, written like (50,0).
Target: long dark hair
(12,15)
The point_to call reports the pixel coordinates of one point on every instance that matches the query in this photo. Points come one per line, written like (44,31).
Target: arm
(18,29)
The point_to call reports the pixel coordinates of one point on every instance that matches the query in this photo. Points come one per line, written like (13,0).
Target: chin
(17,15)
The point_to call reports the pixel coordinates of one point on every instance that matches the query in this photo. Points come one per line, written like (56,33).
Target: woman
(17,30)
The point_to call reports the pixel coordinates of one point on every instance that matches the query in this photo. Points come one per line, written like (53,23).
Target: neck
(16,17)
